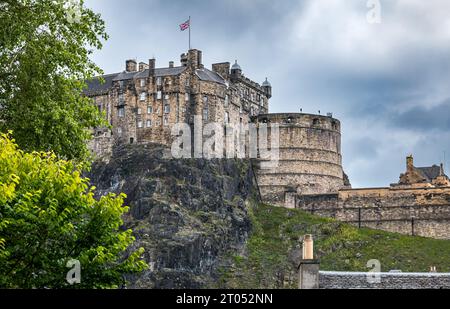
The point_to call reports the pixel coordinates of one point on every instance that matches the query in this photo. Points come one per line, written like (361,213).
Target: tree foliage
(44,61)
(49,216)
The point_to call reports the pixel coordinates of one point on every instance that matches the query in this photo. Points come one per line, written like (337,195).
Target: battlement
(301,120)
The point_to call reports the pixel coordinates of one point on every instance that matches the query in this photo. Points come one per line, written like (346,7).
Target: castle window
(149,123)
(158,81)
(142,82)
(166,109)
(149,109)
(121,111)
(131,140)
(121,99)
(139,111)
(121,84)
(227,117)
(119,132)
(316,122)
(143,96)
(140,124)
(166,97)
(166,121)
(205,99)
(159,95)
(227,100)
(205,113)
(187,83)
(186,97)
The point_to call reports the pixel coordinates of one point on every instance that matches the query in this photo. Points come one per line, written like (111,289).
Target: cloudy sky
(388,82)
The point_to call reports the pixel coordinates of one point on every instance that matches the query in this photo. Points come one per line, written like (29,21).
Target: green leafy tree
(49,216)
(44,61)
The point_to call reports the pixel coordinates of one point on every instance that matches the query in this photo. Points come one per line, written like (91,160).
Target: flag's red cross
(184,26)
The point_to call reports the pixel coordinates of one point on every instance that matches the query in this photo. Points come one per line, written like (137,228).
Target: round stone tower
(310,157)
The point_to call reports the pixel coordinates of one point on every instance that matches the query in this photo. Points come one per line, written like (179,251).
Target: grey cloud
(436,118)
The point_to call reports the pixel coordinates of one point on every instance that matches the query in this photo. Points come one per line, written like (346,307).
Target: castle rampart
(411,211)
(310,157)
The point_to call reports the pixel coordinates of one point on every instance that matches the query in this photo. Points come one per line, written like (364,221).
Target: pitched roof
(430,173)
(210,76)
(95,87)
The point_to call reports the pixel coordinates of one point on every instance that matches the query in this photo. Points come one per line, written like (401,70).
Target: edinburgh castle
(143,104)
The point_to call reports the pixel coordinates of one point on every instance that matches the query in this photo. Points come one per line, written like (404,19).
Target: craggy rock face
(189,215)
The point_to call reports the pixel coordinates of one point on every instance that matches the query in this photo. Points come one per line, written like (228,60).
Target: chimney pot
(308,247)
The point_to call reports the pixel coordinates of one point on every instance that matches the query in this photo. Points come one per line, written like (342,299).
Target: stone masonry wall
(421,212)
(349,280)
(310,157)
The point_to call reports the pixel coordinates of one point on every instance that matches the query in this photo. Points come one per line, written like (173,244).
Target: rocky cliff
(189,215)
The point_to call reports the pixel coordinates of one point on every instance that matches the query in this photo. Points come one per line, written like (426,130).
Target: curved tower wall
(310,157)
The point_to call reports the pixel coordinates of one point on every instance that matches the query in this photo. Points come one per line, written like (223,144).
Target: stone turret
(236,71)
(267,87)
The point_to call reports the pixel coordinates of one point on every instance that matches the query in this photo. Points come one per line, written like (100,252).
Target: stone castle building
(144,102)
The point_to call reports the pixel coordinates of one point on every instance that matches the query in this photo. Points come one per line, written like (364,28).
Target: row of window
(149,110)
(159,82)
(148,123)
(143,96)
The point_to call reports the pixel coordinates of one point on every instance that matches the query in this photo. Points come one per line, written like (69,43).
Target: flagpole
(189,32)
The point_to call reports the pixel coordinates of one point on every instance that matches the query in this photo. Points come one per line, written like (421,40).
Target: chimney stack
(131,65)
(184,60)
(143,66)
(309,267)
(171,64)
(194,58)
(151,66)
(308,248)
(410,163)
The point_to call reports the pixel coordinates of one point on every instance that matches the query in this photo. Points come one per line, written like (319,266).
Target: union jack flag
(185,25)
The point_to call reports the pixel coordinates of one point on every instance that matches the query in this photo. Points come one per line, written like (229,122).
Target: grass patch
(273,250)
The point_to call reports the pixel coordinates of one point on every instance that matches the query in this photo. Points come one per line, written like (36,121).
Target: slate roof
(430,173)
(210,76)
(94,87)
